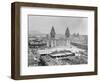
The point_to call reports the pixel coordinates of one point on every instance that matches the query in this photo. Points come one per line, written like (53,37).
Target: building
(53,41)
(39,44)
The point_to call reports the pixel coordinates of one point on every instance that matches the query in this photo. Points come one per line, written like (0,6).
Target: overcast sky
(43,24)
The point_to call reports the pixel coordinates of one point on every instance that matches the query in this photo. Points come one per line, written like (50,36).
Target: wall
(5,40)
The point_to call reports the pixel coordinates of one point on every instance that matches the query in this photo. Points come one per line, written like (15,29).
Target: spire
(67,33)
(52,33)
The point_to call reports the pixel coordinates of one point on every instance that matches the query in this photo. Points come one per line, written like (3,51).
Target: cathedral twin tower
(52,33)
(53,41)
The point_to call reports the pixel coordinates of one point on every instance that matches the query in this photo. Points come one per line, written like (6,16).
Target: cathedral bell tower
(67,37)
(52,37)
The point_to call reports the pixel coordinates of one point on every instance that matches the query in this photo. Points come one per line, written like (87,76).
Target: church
(53,41)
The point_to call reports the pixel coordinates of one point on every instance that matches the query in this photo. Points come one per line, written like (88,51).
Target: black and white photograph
(53,40)
(57,40)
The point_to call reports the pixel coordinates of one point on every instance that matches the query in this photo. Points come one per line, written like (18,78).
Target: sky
(43,24)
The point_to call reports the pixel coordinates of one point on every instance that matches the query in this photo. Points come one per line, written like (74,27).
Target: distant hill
(39,34)
(36,34)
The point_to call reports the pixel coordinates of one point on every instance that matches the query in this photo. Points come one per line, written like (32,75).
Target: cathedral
(55,42)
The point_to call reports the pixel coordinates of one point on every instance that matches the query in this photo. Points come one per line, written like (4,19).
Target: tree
(52,33)
(67,33)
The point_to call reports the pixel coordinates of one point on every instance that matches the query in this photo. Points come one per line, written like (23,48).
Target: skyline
(43,24)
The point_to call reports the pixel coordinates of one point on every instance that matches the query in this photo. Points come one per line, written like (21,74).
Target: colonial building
(53,41)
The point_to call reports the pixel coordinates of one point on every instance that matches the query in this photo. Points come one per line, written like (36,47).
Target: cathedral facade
(55,42)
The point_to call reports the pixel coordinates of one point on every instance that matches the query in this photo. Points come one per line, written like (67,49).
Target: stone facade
(54,42)
(58,42)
